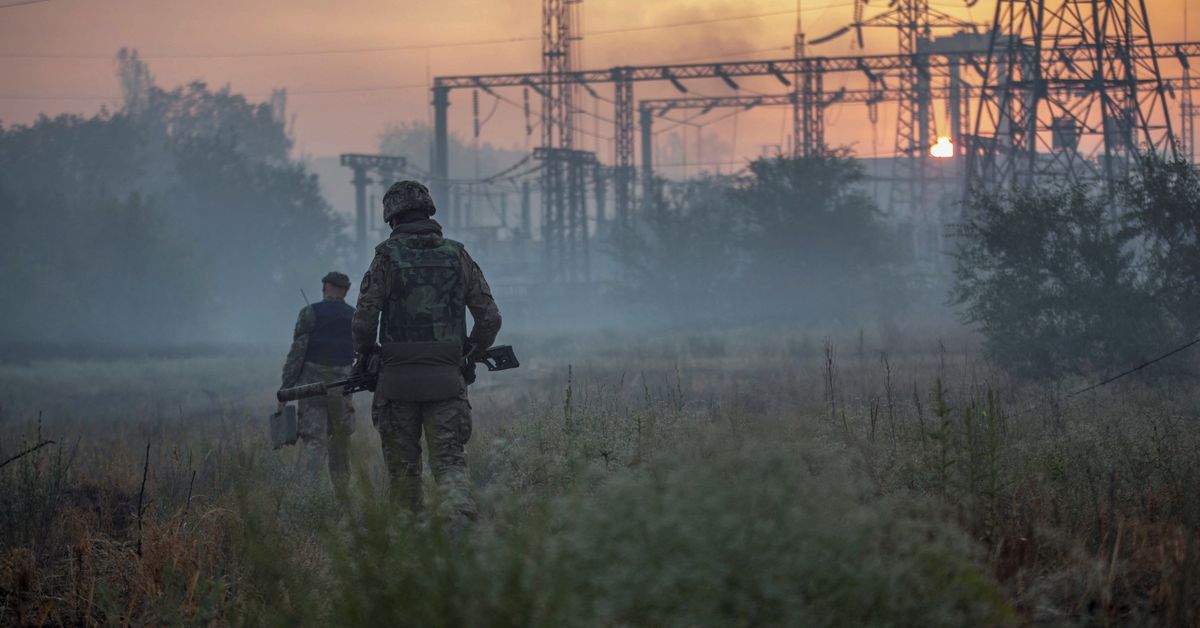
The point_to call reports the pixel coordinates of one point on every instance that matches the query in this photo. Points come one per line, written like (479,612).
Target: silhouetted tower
(1072,92)
(1187,108)
(800,121)
(1187,115)
(564,204)
(914,22)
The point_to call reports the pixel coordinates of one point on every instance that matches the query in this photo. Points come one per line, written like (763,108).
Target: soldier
(322,351)
(422,284)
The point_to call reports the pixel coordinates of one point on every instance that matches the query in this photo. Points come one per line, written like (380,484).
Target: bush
(1165,197)
(744,537)
(1048,276)
(123,224)
(793,239)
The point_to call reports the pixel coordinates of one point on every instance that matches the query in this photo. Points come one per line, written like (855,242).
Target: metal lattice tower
(564,212)
(914,114)
(943,64)
(914,22)
(1187,117)
(623,174)
(1072,92)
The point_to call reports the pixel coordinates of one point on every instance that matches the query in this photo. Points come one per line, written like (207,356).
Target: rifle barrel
(303,392)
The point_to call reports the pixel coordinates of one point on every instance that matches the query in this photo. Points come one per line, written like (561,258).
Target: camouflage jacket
(376,282)
(306,321)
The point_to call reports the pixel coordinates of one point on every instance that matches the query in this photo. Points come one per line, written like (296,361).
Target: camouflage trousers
(447,428)
(326,437)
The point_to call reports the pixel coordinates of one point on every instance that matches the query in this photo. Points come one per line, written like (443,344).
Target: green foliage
(87,267)
(159,222)
(703,489)
(1165,197)
(1048,276)
(766,244)
(710,538)
(813,231)
(686,253)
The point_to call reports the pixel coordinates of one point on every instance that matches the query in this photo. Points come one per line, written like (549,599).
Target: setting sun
(944,149)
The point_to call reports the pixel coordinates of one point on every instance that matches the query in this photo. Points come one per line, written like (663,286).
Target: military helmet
(407,196)
(334,278)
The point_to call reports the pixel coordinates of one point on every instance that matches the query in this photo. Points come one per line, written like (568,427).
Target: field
(732,478)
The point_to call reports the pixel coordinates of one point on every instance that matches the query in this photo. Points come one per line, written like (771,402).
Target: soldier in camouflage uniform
(414,299)
(322,351)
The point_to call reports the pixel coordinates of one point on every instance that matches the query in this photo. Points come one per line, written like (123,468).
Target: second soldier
(322,351)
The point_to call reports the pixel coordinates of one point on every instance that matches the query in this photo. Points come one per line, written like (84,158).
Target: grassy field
(686,480)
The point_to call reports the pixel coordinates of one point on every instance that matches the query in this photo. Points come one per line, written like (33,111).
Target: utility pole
(384,167)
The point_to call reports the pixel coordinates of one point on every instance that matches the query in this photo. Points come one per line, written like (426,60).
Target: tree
(180,218)
(1165,201)
(793,239)
(684,255)
(1048,277)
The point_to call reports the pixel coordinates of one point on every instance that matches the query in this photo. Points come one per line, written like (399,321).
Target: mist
(829,337)
(180,222)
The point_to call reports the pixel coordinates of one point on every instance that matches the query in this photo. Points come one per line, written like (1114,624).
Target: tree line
(790,240)
(178,218)
(1086,277)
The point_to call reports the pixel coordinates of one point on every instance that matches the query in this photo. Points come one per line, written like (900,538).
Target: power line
(291,92)
(44,98)
(1130,371)
(711,20)
(4,4)
(280,53)
(1134,369)
(403,47)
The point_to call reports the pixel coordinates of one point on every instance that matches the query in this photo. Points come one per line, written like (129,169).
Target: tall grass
(699,480)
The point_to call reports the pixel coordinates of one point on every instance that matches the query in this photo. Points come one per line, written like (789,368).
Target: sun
(944,149)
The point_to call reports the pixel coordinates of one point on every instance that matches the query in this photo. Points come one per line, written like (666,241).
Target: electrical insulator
(528,126)
(475,109)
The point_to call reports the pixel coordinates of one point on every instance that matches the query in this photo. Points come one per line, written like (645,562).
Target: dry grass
(1082,513)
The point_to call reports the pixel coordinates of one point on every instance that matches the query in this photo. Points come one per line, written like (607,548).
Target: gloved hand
(468,363)
(367,367)
(468,372)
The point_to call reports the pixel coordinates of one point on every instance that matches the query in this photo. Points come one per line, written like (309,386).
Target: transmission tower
(1187,141)
(1072,92)
(1187,108)
(914,22)
(564,212)
(808,121)
(912,186)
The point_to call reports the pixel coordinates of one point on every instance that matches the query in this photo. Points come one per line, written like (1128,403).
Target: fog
(181,222)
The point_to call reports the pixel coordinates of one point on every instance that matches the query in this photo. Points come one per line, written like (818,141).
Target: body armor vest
(329,343)
(424,325)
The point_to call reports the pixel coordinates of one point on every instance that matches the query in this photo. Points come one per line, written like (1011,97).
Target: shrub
(1048,276)
(753,536)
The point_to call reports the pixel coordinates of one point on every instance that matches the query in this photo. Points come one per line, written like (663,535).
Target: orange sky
(77,38)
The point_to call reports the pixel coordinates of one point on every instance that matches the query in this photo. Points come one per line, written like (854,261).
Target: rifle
(497,358)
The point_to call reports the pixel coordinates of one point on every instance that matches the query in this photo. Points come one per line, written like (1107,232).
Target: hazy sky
(56,56)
